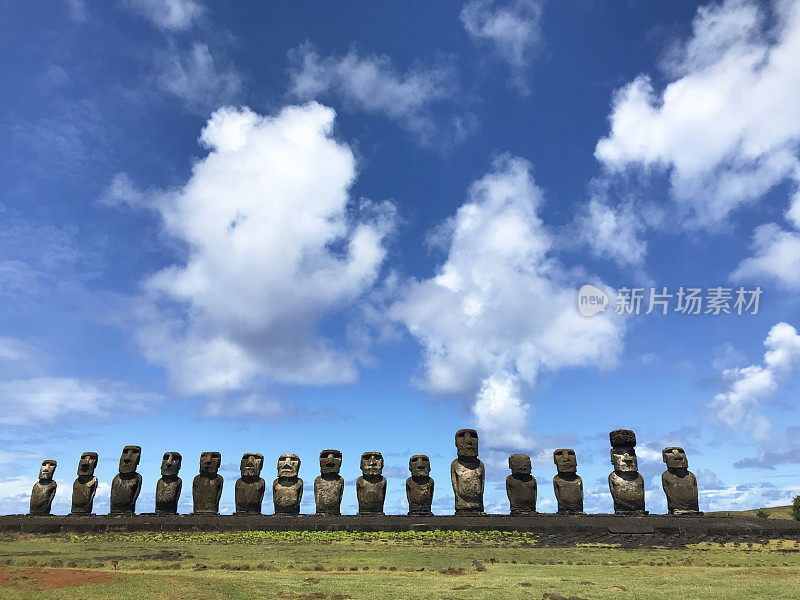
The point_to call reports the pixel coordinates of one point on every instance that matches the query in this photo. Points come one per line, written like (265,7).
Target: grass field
(774,512)
(385,566)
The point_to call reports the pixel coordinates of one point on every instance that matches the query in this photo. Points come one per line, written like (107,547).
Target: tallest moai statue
(467,474)
(625,483)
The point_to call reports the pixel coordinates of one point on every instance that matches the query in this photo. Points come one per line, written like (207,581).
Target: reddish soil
(38,578)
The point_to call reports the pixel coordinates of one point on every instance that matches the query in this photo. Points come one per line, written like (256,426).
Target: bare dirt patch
(37,578)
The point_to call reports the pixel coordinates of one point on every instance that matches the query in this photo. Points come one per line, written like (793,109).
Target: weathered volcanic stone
(419,487)
(287,489)
(329,486)
(168,488)
(467,474)
(250,487)
(371,486)
(679,483)
(521,485)
(85,486)
(567,484)
(44,490)
(207,486)
(625,483)
(127,484)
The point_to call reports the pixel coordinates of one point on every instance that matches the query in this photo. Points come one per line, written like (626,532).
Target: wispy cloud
(47,400)
(200,80)
(510,29)
(169,15)
(372,84)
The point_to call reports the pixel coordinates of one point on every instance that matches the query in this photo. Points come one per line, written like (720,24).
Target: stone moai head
(419,465)
(520,464)
(209,463)
(675,458)
(47,469)
(288,465)
(372,463)
(251,464)
(330,461)
(87,464)
(623,451)
(170,464)
(566,461)
(130,459)
(467,443)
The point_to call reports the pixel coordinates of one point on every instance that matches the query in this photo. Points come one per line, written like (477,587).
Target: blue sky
(288,226)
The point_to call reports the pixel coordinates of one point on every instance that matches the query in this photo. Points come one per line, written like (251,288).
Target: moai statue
(207,486)
(371,486)
(168,488)
(44,490)
(287,489)
(419,487)
(250,487)
(521,485)
(329,486)
(625,483)
(85,486)
(467,474)
(680,484)
(567,483)
(127,484)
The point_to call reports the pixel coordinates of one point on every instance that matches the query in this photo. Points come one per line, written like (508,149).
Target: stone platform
(547,529)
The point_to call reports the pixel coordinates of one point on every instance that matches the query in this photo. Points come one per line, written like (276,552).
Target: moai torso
(371,486)
(124,493)
(567,484)
(328,491)
(44,490)
(127,484)
(287,493)
(83,491)
(287,489)
(168,488)
(467,474)
(371,493)
(521,485)
(329,486)
(568,488)
(250,487)
(85,486)
(207,486)
(627,491)
(419,491)
(625,483)
(168,492)
(680,484)
(419,487)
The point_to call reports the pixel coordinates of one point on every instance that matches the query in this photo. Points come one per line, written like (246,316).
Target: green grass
(775,512)
(385,566)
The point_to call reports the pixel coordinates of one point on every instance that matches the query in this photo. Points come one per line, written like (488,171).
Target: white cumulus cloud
(777,257)
(273,245)
(371,83)
(511,29)
(740,406)
(726,126)
(169,15)
(500,308)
